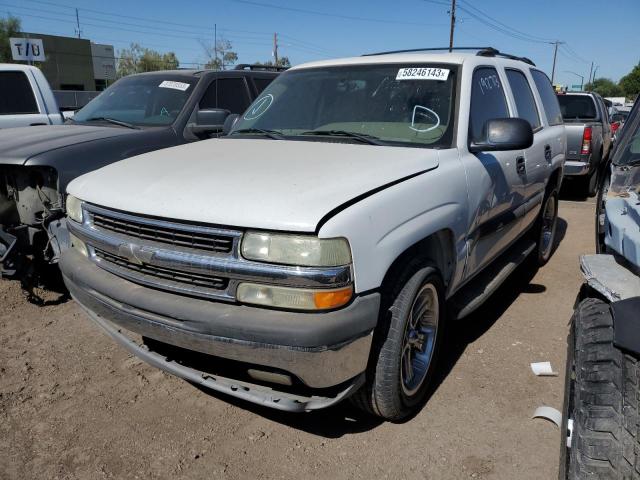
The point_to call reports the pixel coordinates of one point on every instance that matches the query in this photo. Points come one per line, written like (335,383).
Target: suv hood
(18,145)
(255,183)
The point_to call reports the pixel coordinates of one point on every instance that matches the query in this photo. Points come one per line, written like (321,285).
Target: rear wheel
(546,227)
(406,345)
(603,399)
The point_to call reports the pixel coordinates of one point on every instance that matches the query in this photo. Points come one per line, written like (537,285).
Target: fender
(384,225)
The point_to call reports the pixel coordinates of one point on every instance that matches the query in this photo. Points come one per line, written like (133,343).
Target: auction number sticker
(421,73)
(175,85)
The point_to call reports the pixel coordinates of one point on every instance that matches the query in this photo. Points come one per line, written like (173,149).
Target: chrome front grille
(175,234)
(186,259)
(189,279)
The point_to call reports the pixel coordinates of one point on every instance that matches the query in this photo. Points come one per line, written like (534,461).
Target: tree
(137,59)
(605,87)
(630,83)
(282,62)
(9,27)
(220,56)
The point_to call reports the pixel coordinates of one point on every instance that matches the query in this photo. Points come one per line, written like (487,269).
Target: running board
(472,296)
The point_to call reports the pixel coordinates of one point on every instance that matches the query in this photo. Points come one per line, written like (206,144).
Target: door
(18,103)
(538,156)
(496,188)
(550,144)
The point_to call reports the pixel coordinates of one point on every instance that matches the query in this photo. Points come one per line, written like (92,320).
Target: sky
(312,30)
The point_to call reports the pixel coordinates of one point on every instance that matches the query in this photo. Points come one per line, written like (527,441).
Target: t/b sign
(27,49)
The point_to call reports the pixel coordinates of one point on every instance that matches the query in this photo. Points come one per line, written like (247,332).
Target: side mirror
(500,134)
(209,120)
(229,123)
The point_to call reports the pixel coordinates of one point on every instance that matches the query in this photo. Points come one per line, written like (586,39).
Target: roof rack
(431,49)
(481,52)
(494,52)
(248,66)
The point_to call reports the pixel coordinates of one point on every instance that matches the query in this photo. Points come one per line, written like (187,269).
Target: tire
(545,228)
(589,186)
(603,399)
(390,390)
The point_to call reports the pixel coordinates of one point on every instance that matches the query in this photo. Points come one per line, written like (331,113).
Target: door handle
(521,166)
(547,153)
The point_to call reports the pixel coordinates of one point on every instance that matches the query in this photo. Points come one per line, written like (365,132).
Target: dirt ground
(74,405)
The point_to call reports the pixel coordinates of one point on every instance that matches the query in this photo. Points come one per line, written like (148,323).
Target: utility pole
(595,70)
(78,23)
(590,72)
(555,54)
(453,24)
(275,48)
(215,42)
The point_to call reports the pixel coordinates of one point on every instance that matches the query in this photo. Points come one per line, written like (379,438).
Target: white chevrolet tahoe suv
(317,251)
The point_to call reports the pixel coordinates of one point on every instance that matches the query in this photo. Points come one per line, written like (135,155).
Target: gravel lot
(73,405)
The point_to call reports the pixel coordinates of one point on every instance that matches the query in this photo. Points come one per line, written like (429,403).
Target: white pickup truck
(26,98)
(318,250)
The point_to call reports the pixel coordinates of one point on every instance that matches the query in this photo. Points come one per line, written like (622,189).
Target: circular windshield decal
(423,115)
(259,107)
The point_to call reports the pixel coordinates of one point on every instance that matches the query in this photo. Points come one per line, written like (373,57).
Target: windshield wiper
(111,120)
(363,137)
(273,134)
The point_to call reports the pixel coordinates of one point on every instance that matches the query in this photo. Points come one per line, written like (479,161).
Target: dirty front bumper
(320,350)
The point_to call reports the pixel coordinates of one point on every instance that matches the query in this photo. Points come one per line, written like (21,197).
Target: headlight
(74,208)
(299,250)
(293,298)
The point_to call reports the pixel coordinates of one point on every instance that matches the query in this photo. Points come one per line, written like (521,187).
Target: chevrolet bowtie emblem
(134,253)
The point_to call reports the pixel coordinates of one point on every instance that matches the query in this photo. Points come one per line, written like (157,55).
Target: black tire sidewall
(542,258)
(397,404)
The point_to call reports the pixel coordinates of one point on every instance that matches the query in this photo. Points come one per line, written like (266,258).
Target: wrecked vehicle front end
(31,217)
(603,357)
(615,273)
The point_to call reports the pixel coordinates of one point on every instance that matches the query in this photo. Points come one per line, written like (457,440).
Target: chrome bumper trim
(257,394)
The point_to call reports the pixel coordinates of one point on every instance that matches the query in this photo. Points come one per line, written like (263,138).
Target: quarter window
(487,101)
(21,99)
(548,97)
(525,103)
(228,93)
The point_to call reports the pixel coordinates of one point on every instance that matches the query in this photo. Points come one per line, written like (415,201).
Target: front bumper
(322,350)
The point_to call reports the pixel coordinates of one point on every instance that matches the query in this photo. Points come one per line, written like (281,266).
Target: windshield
(575,107)
(406,104)
(140,100)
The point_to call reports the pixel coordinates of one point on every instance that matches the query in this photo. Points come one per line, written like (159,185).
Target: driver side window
(487,100)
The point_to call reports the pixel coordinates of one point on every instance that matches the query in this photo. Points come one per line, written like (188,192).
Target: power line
(501,24)
(334,15)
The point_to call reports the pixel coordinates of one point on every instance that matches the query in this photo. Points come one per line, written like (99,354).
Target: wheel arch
(438,248)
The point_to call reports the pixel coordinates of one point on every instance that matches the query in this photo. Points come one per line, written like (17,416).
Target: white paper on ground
(548,413)
(543,369)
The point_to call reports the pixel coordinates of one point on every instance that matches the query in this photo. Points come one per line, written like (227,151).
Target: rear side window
(262,83)
(228,93)
(525,103)
(548,96)
(487,101)
(17,96)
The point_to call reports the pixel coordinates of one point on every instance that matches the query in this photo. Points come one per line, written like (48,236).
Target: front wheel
(406,345)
